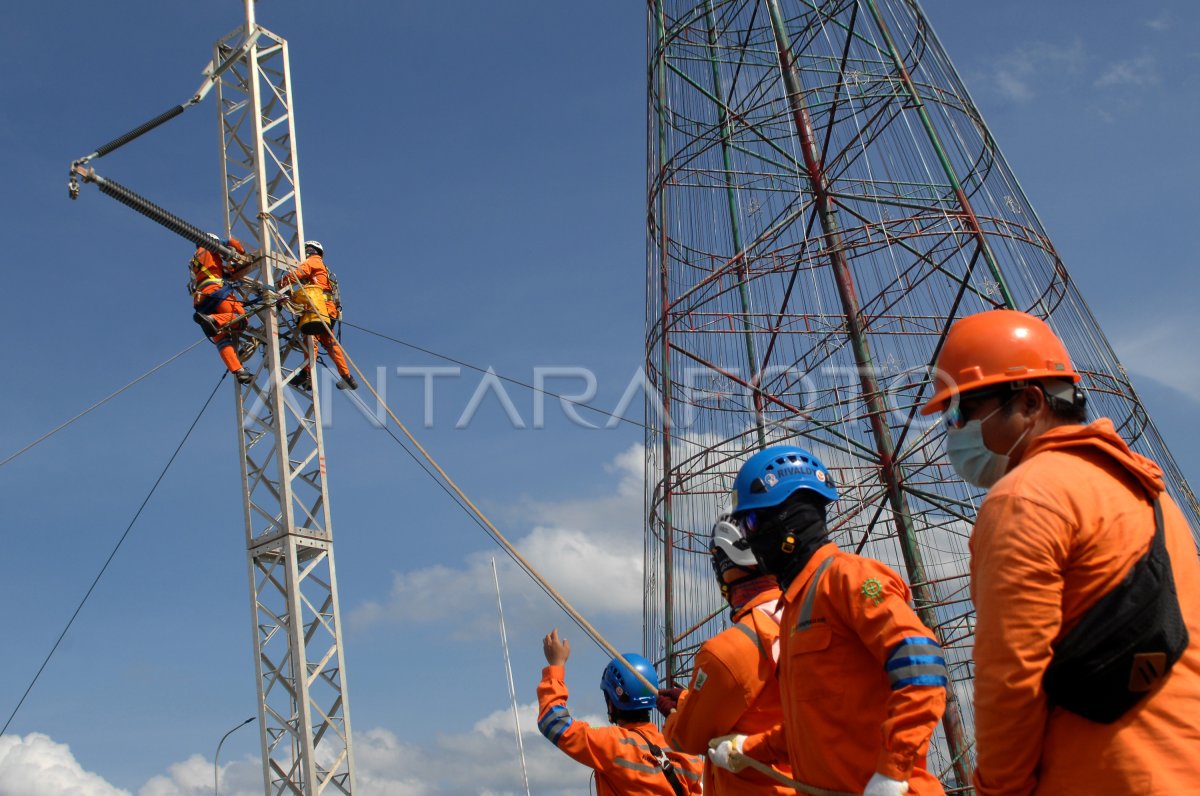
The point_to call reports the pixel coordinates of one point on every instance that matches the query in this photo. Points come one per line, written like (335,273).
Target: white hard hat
(314,244)
(729,539)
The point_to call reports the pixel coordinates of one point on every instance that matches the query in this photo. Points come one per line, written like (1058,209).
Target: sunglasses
(956,417)
(752,522)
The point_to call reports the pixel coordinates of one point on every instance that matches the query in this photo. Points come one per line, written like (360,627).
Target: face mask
(786,540)
(972,459)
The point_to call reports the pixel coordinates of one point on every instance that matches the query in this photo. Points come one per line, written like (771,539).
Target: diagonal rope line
(493,531)
(362,405)
(112,555)
(99,403)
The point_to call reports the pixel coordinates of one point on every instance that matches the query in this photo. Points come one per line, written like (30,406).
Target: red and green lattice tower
(824,200)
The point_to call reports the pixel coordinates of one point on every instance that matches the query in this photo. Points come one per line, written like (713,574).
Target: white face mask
(972,459)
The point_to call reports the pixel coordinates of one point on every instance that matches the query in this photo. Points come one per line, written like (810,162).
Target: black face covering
(788,535)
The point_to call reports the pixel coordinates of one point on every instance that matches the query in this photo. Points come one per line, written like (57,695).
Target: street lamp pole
(217,756)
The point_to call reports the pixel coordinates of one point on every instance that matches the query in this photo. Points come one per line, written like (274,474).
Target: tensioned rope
(112,555)
(433,476)
(447,483)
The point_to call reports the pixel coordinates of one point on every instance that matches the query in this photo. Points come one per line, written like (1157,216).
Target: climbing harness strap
(207,302)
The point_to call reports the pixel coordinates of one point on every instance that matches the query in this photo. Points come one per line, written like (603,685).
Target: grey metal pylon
(304,714)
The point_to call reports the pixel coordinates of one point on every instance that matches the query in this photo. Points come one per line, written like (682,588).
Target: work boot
(206,323)
(347,383)
(244,376)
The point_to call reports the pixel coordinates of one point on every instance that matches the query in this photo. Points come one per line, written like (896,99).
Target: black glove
(667,699)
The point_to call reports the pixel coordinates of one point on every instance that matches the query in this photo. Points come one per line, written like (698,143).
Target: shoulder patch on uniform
(701,677)
(872,590)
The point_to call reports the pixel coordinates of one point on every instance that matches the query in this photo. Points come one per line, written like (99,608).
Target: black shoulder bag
(1125,645)
(664,764)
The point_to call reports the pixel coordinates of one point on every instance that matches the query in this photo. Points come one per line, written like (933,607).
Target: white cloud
(1137,72)
(1020,73)
(1153,350)
(482,761)
(589,549)
(194,777)
(38,766)
(1161,23)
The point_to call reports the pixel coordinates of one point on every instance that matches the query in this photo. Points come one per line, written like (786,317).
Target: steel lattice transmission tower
(304,715)
(824,201)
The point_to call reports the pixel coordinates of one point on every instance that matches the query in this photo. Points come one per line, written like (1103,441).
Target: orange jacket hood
(1100,436)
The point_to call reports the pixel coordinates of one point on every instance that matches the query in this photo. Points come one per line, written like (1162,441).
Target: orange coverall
(734,690)
(861,679)
(623,763)
(313,272)
(1053,536)
(208,276)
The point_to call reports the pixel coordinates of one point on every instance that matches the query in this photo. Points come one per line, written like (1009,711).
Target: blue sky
(477,174)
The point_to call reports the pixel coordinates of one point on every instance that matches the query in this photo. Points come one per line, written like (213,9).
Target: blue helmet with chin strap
(625,691)
(774,474)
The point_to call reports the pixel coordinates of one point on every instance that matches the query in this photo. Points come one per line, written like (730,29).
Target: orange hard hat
(995,347)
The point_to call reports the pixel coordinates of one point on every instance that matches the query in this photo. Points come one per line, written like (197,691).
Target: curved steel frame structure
(824,201)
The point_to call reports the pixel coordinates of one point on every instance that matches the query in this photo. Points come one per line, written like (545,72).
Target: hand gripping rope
(587,627)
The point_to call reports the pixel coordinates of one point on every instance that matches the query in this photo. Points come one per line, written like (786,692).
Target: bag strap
(1160,538)
(664,764)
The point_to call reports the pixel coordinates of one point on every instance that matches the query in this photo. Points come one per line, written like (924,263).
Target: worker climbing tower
(304,715)
(824,201)
(303,711)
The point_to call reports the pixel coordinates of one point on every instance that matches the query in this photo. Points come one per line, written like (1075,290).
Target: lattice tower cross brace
(303,710)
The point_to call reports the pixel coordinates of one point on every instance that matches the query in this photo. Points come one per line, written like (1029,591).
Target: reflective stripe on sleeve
(917,660)
(639,767)
(753,636)
(554,723)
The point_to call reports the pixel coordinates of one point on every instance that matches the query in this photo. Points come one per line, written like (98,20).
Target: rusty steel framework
(824,200)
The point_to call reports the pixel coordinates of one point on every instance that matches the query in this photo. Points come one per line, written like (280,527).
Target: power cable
(100,403)
(508,379)
(112,555)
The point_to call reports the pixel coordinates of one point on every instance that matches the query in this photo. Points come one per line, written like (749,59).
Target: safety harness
(204,276)
(334,296)
(664,763)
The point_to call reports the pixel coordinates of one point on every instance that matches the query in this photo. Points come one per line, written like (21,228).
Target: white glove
(727,752)
(885,786)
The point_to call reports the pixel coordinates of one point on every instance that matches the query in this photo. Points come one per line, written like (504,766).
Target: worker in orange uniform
(1075,530)
(629,758)
(862,680)
(216,306)
(313,271)
(733,687)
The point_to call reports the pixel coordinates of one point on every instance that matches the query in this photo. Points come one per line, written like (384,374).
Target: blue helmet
(625,691)
(771,476)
